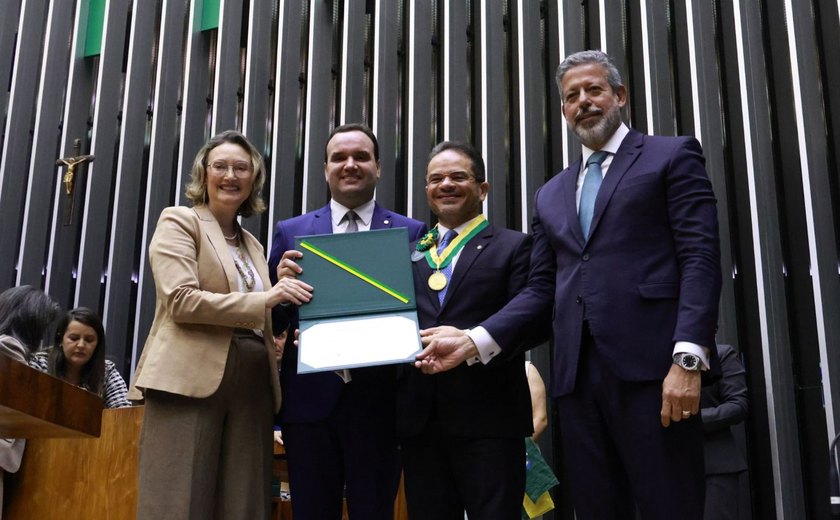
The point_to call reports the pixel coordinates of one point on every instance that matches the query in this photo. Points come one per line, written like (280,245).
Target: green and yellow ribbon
(440,260)
(355,272)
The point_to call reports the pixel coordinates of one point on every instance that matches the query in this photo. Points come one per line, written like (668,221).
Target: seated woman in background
(78,357)
(25,314)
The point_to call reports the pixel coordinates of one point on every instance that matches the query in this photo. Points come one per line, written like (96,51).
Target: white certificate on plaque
(359,341)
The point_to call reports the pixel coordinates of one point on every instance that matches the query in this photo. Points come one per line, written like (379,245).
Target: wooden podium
(34,404)
(95,479)
(75,478)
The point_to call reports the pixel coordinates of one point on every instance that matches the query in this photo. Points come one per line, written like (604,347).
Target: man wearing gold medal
(462,430)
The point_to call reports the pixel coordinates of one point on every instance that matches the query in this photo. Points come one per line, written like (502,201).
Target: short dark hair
(585,58)
(197,188)
(465,149)
(26,313)
(93,373)
(353,127)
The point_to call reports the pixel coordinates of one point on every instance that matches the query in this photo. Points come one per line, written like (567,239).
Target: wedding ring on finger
(686,414)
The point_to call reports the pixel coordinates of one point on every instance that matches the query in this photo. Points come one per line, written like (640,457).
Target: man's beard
(602,130)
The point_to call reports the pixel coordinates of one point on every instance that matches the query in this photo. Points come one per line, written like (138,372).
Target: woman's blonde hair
(197,188)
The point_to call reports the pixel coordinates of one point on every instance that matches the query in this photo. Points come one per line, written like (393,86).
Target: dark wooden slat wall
(127,211)
(749,79)
(162,166)
(27,51)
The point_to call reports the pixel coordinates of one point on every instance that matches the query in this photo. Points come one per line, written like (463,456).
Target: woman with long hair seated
(78,357)
(25,314)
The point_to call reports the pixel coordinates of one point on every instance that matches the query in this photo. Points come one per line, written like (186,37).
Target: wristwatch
(688,361)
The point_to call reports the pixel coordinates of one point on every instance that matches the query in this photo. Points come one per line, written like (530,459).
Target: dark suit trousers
(617,452)
(447,475)
(722,496)
(356,447)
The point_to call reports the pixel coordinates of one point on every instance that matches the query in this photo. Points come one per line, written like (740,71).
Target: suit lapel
(568,193)
(381,218)
(322,221)
(624,158)
(468,256)
(424,272)
(211,228)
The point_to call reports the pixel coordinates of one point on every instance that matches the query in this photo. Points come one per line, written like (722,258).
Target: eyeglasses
(240,169)
(457,177)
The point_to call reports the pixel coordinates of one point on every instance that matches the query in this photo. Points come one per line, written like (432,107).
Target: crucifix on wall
(70,176)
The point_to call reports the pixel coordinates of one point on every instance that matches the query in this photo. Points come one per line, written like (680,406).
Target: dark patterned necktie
(447,271)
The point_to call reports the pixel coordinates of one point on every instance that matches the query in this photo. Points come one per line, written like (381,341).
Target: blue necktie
(447,271)
(591,184)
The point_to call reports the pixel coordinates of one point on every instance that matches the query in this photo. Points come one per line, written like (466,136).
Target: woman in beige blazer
(208,372)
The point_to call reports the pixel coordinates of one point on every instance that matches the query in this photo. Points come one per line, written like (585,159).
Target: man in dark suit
(462,431)
(724,404)
(626,250)
(338,429)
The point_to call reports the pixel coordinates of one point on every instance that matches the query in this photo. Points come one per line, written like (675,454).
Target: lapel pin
(478,247)
(386,222)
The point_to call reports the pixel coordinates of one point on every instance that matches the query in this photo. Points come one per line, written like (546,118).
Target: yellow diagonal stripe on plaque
(355,272)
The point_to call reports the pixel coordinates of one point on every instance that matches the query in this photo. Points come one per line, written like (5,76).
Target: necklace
(246,272)
(232,237)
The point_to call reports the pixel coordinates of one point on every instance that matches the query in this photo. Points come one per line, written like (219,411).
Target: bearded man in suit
(626,251)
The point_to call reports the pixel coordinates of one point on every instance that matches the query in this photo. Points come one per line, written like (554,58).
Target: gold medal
(437,281)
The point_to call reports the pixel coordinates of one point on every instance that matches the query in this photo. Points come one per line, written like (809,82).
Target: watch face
(689,361)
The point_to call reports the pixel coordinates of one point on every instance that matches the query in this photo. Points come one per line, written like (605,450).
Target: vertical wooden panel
(419,103)
(63,255)
(319,102)
(161,175)
(286,160)
(353,96)
(492,125)
(391,185)
(17,140)
(98,191)
(528,94)
(8,38)
(456,69)
(755,166)
(121,286)
(658,56)
(228,75)
(197,98)
(818,181)
(256,110)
